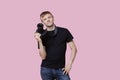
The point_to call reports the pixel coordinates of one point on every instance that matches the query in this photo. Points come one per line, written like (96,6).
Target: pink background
(95,25)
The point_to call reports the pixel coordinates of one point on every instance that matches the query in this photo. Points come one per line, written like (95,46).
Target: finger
(35,35)
(38,35)
(67,72)
(64,72)
(63,68)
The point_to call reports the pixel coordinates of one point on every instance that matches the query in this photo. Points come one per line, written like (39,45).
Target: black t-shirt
(55,47)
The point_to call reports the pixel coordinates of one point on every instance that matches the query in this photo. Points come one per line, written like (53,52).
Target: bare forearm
(72,56)
(42,51)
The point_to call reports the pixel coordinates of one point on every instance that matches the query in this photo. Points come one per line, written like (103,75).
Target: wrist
(69,64)
(39,40)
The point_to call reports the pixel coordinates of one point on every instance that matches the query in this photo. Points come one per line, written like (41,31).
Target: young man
(53,48)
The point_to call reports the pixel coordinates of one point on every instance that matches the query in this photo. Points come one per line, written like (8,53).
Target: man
(53,48)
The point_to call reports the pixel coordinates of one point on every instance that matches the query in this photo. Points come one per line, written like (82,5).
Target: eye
(49,17)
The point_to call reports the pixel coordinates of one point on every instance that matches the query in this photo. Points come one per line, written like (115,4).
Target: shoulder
(62,29)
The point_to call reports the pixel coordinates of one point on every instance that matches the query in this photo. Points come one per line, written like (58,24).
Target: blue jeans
(53,74)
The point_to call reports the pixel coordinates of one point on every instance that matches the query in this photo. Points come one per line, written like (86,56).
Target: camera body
(40,29)
(44,32)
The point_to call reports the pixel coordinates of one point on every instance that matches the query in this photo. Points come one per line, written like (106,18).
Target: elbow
(74,50)
(43,58)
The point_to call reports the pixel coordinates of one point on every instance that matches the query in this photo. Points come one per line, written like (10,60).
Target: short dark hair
(44,13)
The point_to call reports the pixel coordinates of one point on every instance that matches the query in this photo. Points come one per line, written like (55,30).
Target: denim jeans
(53,74)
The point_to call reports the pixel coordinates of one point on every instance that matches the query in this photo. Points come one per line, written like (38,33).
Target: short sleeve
(69,36)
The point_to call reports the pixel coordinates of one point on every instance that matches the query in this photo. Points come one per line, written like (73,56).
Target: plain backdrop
(95,25)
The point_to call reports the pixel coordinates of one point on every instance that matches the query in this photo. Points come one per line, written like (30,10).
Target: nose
(48,20)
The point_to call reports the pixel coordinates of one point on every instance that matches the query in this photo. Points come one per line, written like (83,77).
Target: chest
(57,40)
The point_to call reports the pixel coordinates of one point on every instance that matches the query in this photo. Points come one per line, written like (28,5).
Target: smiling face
(48,20)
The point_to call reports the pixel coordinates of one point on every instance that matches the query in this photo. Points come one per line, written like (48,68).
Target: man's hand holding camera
(37,36)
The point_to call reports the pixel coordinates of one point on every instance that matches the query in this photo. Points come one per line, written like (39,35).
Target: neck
(50,28)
